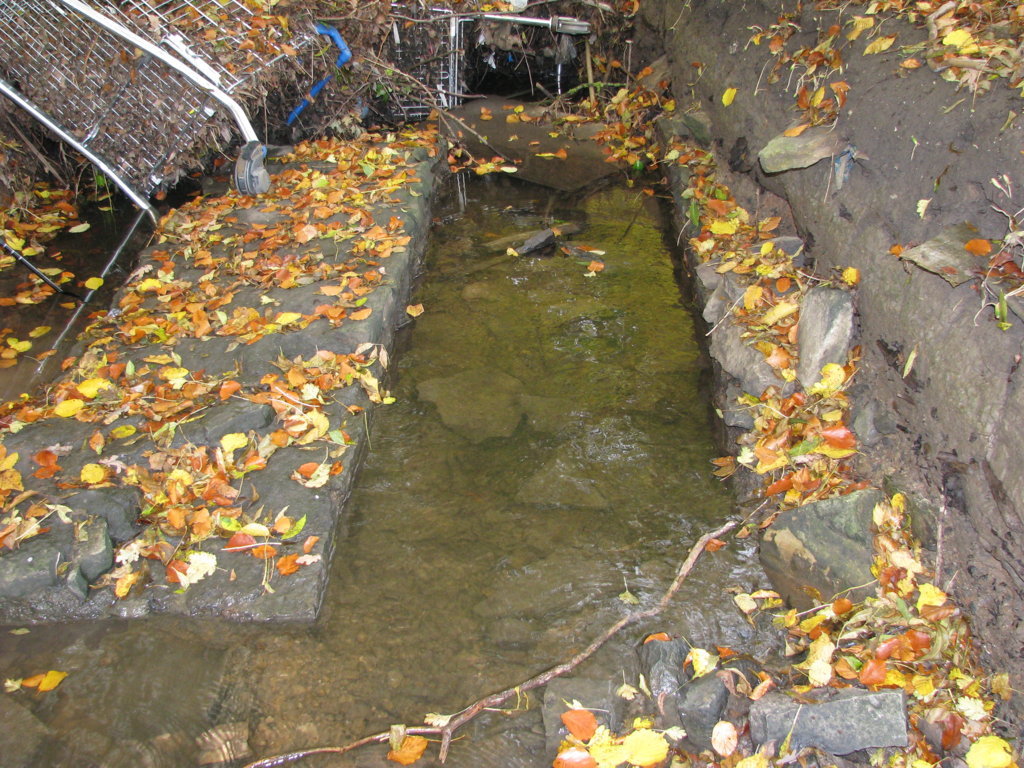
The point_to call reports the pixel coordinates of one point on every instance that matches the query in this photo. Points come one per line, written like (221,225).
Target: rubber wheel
(251,178)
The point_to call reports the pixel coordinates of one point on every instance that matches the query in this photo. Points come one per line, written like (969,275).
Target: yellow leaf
(962,40)
(923,686)
(930,595)
(880,44)
(172,372)
(724,227)
(19,346)
(851,275)
(702,661)
(860,24)
(93,473)
(52,679)
(159,359)
(778,312)
(9,461)
(284,318)
(835,453)
(728,96)
(125,430)
(69,407)
(756,760)
(645,747)
(793,132)
(752,296)
(989,752)
(149,284)
(232,442)
(93,283)
(414,310)
(832,378)
(92,387)
(39,330)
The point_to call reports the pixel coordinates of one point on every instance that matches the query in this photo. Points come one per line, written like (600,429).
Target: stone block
(841,724)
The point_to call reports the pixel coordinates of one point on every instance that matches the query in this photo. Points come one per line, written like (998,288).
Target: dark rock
(75,583)
(701,703)
(826,545)
(724,295)
(93,552)
(825,333)
(33,566)
(844,723)
(24,734)
(234,415)
(871,421)
(118,506)
(596,695)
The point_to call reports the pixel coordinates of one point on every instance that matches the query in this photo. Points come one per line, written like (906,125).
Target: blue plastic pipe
(344,56)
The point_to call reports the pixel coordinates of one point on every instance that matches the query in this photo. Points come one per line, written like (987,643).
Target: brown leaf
(714,545)
(873,673)
(581,723)
(839,436)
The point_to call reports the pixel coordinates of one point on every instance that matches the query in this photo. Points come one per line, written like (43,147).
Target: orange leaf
(411,750)
(574,757)
(263,552)
(782,284)
(842,605)
(309,543)
(307,469)
(873,673)
(286,565)
(361,314)
(581,723)
(796,130)
(595,266)
(978,246)
(714,545)
(661,637)
(781,485)
(228,388)
(839,436)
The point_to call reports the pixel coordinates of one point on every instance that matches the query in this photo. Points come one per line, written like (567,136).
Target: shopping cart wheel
(251,178)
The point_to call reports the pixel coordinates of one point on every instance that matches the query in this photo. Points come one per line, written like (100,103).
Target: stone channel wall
(59,574)
(939,379)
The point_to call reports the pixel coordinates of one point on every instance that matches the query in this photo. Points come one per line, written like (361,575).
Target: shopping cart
(136,85)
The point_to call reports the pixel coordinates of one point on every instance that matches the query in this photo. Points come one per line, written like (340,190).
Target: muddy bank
(935,362)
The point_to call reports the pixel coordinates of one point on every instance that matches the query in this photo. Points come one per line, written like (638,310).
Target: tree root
(447,731)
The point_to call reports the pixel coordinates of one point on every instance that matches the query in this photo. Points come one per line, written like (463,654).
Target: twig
(496,699)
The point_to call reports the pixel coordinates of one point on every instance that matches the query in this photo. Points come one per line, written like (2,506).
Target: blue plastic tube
(344,56)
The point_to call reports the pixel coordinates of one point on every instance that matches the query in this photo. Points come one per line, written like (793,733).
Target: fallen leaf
(574,757)
(724,738)
(581,723)
(880,44)
(645,747)
(728,96)
(414,310)
(67,408)
(287,565)
(989,751)
(411,750)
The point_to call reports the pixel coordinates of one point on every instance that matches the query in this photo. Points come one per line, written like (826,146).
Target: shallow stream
(548,452)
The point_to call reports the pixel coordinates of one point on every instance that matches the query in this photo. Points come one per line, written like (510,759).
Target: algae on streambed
(548,450)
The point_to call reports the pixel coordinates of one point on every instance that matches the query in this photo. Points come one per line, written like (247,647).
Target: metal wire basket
(135,84)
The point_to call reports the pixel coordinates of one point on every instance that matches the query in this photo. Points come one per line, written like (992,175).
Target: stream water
(548,451)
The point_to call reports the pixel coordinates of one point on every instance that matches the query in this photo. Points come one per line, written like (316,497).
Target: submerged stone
(477,404)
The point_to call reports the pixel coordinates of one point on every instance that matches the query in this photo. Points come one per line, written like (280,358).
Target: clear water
(548,449)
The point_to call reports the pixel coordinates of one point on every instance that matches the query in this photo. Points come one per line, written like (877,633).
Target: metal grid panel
(120,101)
(212,32)
(431,52)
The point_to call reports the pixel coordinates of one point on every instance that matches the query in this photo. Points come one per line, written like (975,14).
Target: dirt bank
(935,359)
